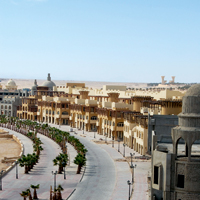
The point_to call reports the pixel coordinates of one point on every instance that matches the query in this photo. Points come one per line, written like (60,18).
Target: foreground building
(176,175)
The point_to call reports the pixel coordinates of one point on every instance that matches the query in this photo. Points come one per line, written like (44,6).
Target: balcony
(119,128)
(64,116)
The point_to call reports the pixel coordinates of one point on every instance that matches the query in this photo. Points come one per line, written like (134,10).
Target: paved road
(121,170)
(105,178)
(99,179)
(41,173)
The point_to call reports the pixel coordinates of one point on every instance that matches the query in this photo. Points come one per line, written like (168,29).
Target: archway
(181,148)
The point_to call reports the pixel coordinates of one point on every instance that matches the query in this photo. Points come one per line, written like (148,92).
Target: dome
(11,83)
(48,83)
(193,90)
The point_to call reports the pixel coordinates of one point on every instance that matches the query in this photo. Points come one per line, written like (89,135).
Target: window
(91,109)
(46,111)
(120,124)
(58,112)
(63,105)
(93,118)
(180,181)
(118,115)
(65,113)
(9,107)
(113,123)
(83,109)
(156,169)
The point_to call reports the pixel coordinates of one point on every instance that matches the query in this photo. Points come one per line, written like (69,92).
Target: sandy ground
(28,83)
(8,148)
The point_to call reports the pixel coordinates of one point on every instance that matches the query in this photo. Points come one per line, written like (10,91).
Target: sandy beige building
(112,111)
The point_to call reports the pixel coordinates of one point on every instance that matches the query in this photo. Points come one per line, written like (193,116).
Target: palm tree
(37,147)
(35,187)
(79,160)
(29,194)
(24,194)
(61,161)
(55,194)
(59,189)
(24,162)
(30,135)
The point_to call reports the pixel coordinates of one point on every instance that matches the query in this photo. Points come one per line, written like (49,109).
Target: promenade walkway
(41,173)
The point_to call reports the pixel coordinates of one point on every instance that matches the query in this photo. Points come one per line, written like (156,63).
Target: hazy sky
(100,40)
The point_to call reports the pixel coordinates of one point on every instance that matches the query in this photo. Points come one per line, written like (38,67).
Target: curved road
(99,179)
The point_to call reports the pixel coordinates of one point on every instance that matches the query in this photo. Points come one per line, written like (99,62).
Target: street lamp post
(94,132)
(132,154)
(54,173)
(132,167)
(65,149)
(16,163)
(113,141)
(129,192)
(1,173)
(105,137)
(83,128)
(124,150)
(64,164)
(118,145)
(59,123)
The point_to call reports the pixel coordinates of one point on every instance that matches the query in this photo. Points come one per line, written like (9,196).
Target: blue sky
(100,40)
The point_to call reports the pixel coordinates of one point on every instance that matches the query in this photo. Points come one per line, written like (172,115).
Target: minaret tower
(186,177)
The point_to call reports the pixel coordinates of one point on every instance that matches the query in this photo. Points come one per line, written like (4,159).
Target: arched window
(94,118)
(195,149)
(65,113)
(120,124)
(181,147)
